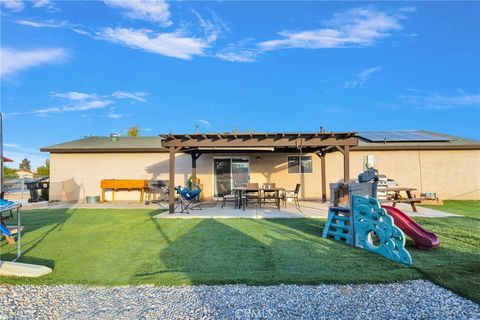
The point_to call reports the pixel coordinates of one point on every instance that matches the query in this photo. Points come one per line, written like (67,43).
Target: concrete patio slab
(307,209)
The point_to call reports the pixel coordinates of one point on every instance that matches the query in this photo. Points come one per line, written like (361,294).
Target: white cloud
(13,5)
(212,28)
(173,44)
(11,145)
(238,54)
(435,100)
(78,106)
(47,4)
(13,61)
(361,77)
(75,101)
(42,3)
(76,96)
(149,10)
(205,123)
(114,116)
(138,96)
(44,24)
(356,27)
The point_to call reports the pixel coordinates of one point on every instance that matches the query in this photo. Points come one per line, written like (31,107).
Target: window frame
(299,163)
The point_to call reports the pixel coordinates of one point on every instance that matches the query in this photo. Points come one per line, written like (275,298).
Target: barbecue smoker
(156,191)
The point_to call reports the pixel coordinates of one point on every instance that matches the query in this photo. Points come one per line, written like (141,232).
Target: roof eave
(103,150)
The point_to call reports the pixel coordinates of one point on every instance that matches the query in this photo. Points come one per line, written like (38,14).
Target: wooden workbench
(123,184)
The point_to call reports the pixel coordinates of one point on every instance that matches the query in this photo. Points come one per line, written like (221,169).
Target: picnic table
(399,198)
(241,191)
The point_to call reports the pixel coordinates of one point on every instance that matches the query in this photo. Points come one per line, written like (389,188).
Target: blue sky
(71,69)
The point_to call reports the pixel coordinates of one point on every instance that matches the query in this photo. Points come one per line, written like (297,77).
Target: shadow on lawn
(212,252)
(265,252)
(32,221)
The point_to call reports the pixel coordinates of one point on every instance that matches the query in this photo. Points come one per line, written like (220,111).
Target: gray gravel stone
(407,300)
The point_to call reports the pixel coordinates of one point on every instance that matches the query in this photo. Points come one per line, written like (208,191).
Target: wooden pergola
(319,143)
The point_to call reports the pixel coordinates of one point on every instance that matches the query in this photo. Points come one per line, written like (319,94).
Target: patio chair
(292,194)
(188,199)
(252,195)
(269,196)
(226,197)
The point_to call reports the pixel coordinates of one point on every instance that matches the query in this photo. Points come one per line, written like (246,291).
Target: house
(24,174)
(427,161)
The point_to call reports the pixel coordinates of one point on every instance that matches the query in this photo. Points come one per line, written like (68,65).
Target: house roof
(439,141)
(106,144)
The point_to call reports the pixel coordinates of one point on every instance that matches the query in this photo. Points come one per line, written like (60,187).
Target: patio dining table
(240,191)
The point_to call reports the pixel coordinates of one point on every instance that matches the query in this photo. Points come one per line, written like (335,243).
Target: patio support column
(195,156)
(346,164)
(324,178)
(321,154)
(171,183)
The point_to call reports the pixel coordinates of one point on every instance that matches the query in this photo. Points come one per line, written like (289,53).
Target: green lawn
(468,208)
(112,247)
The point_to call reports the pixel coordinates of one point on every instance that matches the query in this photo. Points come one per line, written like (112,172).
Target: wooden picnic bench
(398,198)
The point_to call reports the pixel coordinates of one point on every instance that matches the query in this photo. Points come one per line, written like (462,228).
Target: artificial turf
(116,247)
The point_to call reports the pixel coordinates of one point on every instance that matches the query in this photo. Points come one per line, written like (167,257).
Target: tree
(44,171)
(133,131)
(9,173)
(25,165)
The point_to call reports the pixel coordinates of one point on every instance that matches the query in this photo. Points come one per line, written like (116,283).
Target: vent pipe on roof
(114,136)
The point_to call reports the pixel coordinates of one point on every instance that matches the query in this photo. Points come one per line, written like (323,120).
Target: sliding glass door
(230,173)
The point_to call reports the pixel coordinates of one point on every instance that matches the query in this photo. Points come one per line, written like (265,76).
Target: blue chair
(188,198)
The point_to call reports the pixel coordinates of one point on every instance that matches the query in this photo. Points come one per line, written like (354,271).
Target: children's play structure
(364,223)
(10,211)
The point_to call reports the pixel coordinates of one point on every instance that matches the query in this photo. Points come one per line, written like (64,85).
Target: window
(368,162)
(300,164)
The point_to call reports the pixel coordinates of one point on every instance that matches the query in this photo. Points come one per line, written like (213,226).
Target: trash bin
(39,189)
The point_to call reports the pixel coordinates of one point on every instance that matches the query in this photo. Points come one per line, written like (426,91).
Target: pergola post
(321,154)
(171,184)
(324,178)
(195,156)
(346,164)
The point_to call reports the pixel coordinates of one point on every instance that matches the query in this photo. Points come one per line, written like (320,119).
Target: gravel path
(407,300)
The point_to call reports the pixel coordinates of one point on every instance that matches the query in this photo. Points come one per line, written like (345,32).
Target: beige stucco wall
(452,174)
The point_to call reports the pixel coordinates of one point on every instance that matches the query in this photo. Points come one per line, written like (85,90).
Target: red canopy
(5,159)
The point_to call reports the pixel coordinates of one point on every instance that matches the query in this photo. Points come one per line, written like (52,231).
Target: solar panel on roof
(400,136)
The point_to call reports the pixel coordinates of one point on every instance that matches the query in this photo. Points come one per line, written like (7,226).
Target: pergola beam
(257,141)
